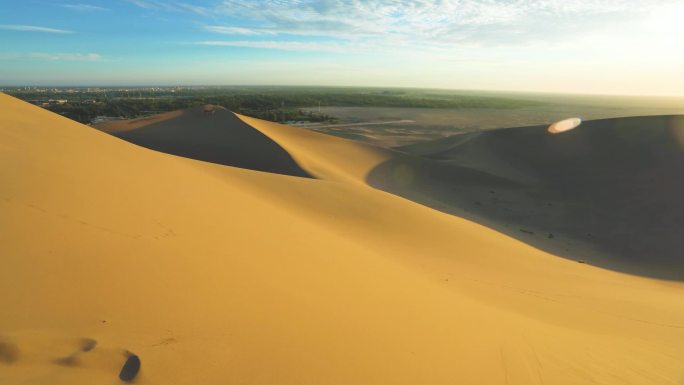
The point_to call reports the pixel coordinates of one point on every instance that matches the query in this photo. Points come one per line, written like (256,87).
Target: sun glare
(666,22)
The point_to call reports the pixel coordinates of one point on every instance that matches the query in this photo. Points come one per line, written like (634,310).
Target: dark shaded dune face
(217,137)
(610,192)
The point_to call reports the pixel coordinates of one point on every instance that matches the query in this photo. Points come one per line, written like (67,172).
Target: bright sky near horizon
(584,46)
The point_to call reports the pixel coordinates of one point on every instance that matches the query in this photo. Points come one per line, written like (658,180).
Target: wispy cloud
(231,30)
(288,45)
(45,56)
(32,28)
(171,6)
(144,4)
(84,7)
(414,18)
(388,25)
(423,21)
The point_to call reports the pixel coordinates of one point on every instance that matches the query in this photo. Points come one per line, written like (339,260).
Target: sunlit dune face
(564,125)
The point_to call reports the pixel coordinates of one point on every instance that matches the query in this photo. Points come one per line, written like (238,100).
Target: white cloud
(170,6)
(32,28)
(288,45)
(524,30)
(44,56)
(429,25)
(84,7)
(238,30)
(143,4)
(448,20)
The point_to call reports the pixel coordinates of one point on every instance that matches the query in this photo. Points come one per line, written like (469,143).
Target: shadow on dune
(217,137)
(610,192)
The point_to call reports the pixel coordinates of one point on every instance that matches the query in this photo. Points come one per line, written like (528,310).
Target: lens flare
(564,125)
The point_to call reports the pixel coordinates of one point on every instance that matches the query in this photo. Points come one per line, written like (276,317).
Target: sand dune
(609,191)
(217,137)
(214,274)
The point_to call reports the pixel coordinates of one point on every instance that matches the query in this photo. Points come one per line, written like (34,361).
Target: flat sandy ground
(434,123)
(216,274)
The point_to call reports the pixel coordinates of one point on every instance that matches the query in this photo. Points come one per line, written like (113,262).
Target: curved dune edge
(609,191)
(213,274)
(325,156)
(120,126)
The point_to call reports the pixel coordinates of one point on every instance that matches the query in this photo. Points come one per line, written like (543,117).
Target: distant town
(92,105)
(294,105)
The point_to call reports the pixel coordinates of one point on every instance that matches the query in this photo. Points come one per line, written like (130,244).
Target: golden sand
(212,274)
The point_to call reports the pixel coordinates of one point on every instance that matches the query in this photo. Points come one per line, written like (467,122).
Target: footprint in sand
(88,344)
(9,352)
(129,370)
(84,345)
(81,356)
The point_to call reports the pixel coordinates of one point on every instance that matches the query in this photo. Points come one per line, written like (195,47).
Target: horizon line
(575,93)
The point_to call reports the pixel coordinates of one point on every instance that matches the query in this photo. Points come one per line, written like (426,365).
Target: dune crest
(209,133)
(214,274)
(608,191)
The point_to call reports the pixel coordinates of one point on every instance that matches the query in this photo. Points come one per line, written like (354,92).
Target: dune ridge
(220,137)
(215,274)
(608,192)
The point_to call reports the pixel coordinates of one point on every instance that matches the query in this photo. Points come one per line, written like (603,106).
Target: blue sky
(592,46)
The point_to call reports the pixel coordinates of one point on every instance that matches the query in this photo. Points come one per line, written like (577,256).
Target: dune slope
(215,135)
(214,274)
(609,191)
